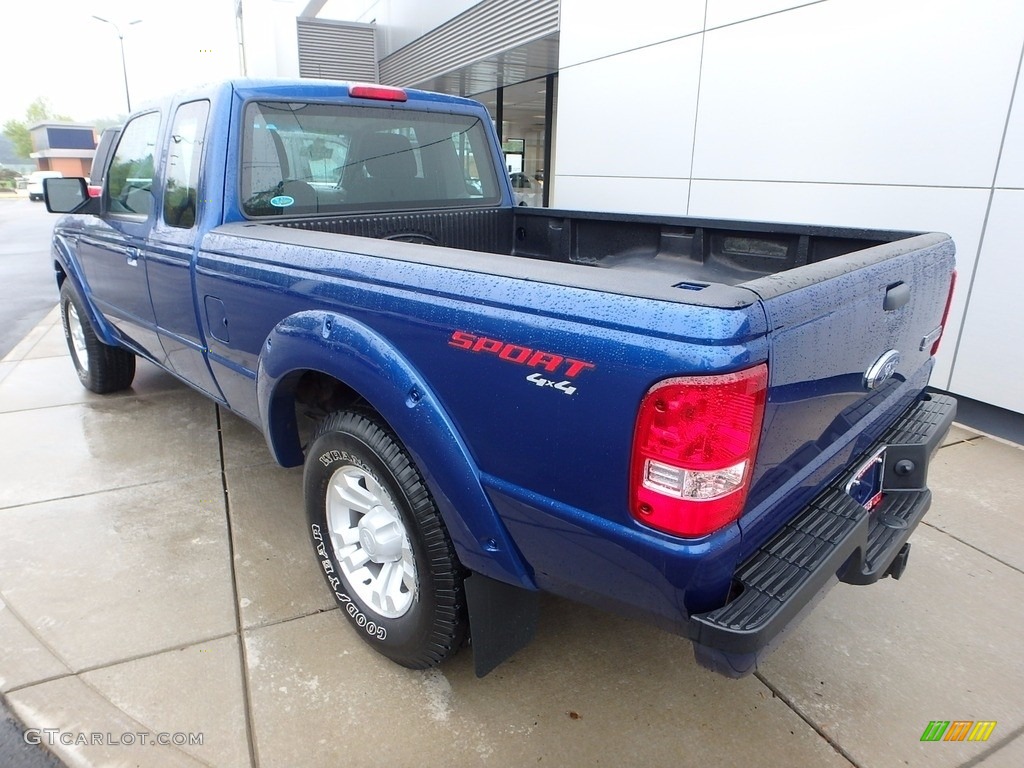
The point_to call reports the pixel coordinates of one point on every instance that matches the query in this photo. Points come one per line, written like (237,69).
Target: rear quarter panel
(554,463)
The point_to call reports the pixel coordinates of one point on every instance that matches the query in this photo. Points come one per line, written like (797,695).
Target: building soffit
(492,44)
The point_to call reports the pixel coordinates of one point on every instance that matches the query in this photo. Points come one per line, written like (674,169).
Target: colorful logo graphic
(958,730)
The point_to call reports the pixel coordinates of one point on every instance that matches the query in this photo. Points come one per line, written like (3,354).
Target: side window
(184,152)
(467,161)
(130,178)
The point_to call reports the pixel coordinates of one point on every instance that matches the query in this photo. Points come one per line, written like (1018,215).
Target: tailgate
(850,346)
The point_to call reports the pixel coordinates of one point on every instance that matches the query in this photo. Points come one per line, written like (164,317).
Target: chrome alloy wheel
(77,337)
(370,542)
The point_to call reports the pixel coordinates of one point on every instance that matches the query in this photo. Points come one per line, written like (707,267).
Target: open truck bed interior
(694,252)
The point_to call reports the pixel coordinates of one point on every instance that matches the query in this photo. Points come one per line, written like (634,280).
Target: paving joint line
(115,662)
(993,748)
(173,478)
(796,710)
(28,628)
(279,622)
(114,397)
(139,723)
(977,549)
(243,657)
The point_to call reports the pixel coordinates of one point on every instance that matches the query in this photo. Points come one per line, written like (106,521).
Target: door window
(184,151)
(130,178)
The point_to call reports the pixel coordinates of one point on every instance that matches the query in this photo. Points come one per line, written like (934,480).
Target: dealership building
(886,114)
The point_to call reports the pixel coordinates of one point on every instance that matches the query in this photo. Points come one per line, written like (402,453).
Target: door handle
(132,256)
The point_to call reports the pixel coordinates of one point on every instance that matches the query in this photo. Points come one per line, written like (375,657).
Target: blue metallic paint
(66,267)
(482,401)
(355,354)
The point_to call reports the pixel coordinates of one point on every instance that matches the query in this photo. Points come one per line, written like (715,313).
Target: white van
(35,182)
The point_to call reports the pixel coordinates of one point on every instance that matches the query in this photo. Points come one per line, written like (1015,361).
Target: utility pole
(124,66)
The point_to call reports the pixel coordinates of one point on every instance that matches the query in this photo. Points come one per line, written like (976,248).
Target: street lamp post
(124,67)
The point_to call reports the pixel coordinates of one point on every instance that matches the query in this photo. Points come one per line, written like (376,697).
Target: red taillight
(378,92)
(95,190)
(693,450)
(945,314)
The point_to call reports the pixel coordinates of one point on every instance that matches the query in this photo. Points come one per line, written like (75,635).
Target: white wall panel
(350,10)
(960,212)
(271,42)
(1011,165)
(599,193)
(594,28)
(721,12)
(616,119)
(990,362)
(863,91)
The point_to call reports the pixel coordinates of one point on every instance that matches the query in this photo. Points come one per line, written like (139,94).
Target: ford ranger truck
(702,424)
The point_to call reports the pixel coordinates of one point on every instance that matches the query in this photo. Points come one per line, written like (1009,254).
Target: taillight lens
(693,450)
(378,92)
(945,314)
(94,190)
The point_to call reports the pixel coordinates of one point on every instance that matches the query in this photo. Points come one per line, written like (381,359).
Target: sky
(55,49)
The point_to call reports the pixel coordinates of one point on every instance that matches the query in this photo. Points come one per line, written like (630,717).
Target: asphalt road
(27,287)
(27,293)
(14,751)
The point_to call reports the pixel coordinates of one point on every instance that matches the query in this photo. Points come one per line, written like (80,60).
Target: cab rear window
(308,158)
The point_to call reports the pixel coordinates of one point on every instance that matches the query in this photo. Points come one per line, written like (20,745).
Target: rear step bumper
(833,537)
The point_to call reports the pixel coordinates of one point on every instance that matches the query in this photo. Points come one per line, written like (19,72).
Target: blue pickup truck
(702,424)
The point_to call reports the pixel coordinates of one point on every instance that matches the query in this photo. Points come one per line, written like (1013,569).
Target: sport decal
(562,366)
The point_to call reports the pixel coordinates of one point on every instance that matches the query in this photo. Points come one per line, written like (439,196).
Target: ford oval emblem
(282,201)
(882,369)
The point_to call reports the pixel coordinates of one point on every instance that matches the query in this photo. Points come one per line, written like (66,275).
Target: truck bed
(646,296)
(693,253)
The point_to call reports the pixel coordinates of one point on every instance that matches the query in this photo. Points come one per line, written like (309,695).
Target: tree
(18,130)
(7,178)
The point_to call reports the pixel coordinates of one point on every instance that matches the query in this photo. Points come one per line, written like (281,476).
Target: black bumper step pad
(832,536)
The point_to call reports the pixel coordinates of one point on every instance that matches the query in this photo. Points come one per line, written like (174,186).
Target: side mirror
(69,195)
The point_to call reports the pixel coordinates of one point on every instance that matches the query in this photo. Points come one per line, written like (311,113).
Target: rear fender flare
(357,356)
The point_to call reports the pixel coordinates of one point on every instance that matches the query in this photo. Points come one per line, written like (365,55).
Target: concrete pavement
(156,579)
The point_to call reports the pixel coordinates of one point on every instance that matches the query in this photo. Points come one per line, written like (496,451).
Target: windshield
(300,158)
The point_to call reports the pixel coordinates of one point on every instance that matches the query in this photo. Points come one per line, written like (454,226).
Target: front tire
(100,367)
(381,543)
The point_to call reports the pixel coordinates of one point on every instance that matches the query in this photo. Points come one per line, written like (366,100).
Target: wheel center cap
(381,535)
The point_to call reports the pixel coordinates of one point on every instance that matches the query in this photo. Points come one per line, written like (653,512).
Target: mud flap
(502,620)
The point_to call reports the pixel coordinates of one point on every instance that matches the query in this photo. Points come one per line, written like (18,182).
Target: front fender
(64,255)
(354,354)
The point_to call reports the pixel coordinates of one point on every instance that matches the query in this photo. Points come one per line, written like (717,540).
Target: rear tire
(381,543)
(100,367)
